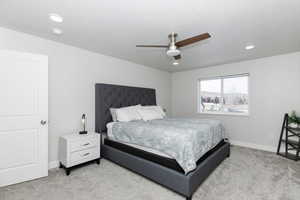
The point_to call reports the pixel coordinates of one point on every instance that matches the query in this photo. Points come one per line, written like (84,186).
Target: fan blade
(177,57)
(192,40)
(154,46)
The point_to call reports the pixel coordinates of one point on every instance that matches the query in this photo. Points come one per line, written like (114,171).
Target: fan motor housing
(173,51)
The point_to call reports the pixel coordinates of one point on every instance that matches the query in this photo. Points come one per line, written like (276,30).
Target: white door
(23,117)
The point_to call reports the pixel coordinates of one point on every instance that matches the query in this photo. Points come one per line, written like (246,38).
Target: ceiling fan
(173,48)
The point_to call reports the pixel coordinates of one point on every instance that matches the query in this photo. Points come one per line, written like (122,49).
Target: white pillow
(158,109)
(127,114)
(149,113)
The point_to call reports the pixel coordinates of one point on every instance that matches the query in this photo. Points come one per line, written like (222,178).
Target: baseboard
(253,146)
(53,164)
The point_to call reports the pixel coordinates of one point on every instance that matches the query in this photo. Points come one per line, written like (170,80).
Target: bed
(155,166)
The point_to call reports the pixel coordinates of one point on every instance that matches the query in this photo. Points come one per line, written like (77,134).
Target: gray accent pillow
(113,114)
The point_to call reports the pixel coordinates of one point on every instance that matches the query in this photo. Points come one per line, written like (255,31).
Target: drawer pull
(86,154)
(86,144)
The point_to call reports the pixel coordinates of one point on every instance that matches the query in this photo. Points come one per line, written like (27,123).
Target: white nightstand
(76,149)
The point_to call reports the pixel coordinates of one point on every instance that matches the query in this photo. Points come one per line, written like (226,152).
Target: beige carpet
(246,175)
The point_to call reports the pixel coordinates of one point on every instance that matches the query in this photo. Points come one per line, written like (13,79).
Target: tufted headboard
(116,96)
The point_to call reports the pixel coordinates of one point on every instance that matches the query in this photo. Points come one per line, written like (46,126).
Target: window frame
(222,94)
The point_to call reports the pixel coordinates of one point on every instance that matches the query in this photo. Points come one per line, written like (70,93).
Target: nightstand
(76,149)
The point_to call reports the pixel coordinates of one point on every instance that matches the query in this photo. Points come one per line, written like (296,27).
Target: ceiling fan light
(57,31)
(250,46)
(175,62)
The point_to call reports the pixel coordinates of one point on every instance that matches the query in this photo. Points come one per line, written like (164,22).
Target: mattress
(184,139)
(147,149)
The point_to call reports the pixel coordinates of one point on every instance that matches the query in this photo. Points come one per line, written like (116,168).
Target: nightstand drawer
(88,154)
(84,144)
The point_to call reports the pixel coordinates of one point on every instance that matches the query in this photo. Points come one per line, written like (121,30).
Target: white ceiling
(114,27)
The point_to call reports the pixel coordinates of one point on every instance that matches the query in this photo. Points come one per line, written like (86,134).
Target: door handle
(43,122)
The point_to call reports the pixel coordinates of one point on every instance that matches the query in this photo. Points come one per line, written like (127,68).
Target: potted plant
(294,120)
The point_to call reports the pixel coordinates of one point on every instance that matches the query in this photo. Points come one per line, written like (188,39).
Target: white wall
(72,75)
(274,90)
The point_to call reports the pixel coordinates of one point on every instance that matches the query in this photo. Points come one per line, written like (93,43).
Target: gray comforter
(185,140)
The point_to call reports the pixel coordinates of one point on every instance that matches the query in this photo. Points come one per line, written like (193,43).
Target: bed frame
(115,96)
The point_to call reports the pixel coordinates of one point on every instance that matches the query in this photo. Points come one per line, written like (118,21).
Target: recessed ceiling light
(57,31)
(250,46)
(175,63)
(56,18)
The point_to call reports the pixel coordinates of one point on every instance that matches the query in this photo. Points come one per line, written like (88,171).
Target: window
(224,95)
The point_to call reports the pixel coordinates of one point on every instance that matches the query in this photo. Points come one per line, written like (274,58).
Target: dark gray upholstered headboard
(116,96)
